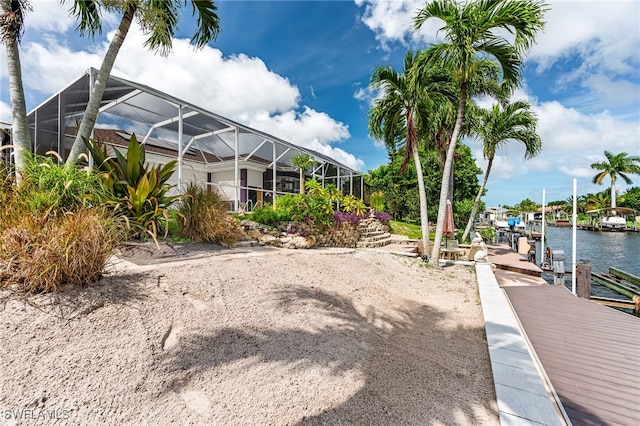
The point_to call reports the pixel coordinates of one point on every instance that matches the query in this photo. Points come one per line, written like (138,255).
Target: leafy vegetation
(53,232)
(138,190)
(302,162)
(377,200)
(205,217)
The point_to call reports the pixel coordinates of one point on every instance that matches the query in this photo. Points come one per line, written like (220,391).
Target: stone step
(371,234)
(374,238)
(372,244)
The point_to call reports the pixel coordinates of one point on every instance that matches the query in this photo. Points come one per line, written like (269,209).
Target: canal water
(601,249)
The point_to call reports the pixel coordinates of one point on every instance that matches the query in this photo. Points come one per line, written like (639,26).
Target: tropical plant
(472,29)
(314,206)
(47,187)
(266,215)
(377,200)
(353,204)
(402,112)
(159,19)
(495,128)
(205,217)
(11,28)
(632,198)
(302,162)
(593,201)
(139,191)
(51,231)
(618,165)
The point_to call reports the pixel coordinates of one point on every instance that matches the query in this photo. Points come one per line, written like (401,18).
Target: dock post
(583,280)
(557,262)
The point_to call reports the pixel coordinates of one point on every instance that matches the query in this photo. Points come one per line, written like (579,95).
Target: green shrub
(205,217)
(138,190)
(284,206)
(50,232)
(314,206)
(47,186)
(265,215)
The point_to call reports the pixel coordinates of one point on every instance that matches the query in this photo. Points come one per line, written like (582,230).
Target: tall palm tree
(619,165)
(399,116)
(498,126)
(11,28)
(159,19)
(473,29)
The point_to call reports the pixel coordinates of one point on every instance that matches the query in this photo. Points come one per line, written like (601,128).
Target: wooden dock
(590,353)
(506,259)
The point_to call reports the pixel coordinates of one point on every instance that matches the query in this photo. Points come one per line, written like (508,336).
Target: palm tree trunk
(613,192)
(476,203)
(446,176)
(424,218)
(97,92)
(20,134)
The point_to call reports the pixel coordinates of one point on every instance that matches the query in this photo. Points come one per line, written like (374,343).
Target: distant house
(556,211)
(248,166)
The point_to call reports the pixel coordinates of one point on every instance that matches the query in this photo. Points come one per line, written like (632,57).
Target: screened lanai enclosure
(249,167)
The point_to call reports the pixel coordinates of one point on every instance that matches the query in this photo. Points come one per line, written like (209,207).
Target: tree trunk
(97,91)
(446,176)
(476,203)
(613,192)
(301,181)
(20,134)
(424,218)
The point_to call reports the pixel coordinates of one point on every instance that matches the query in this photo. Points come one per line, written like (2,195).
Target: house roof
(148,112)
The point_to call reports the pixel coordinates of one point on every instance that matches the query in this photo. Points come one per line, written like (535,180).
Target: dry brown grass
(40,254)
(206,217)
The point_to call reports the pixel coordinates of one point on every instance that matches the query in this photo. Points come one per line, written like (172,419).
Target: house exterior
(248,166)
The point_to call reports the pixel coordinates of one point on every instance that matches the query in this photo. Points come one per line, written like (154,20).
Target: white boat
(613,223)
(501,225)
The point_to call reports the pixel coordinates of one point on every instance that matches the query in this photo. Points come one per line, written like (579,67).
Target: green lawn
(404,228)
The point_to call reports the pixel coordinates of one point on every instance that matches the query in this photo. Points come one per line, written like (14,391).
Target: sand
(250,336)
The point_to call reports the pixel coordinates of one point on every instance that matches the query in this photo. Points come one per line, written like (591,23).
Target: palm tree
(498,126)
(619,165)
(159,18)
(302,162)
(472,29)
(11,29)
(401,113)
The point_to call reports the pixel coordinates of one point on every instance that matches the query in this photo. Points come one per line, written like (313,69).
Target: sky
(300,70)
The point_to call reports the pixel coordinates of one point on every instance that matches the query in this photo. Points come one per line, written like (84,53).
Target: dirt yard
(201,335)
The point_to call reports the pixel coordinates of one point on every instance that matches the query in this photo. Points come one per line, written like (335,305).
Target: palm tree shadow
(413,372)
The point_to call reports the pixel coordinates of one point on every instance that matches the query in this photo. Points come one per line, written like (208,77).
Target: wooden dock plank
(590,352)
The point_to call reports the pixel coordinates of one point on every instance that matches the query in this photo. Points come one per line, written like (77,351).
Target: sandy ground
(254,336)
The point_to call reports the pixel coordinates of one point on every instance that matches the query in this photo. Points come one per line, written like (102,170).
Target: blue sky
(300,70)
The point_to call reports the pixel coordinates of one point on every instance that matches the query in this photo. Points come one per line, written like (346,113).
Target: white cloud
(392,21)
(572,141)
(55,16)
(605,33)
(309,128)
